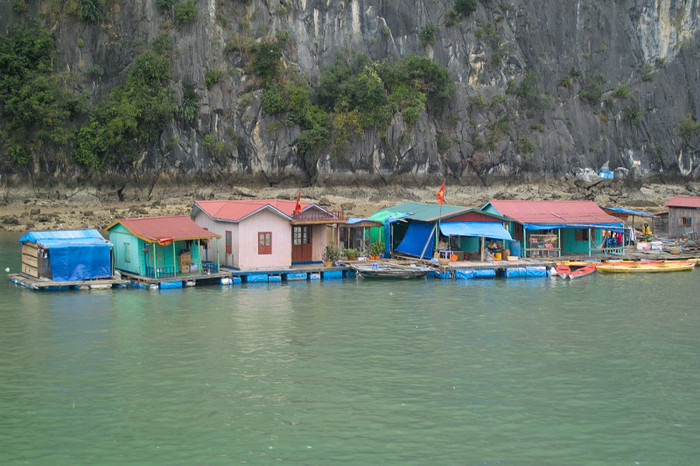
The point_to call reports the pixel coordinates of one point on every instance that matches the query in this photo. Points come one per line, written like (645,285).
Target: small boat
(571,271)
(377,270)
(646,267)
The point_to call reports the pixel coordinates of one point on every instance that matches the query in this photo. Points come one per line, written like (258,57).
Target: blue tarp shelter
(72,255)
(418,235)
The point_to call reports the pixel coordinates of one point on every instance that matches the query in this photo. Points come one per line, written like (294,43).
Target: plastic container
(515,248)
(497,256)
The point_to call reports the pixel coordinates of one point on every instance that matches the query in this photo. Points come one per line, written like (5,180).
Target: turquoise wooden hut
(553,228)
(162,247)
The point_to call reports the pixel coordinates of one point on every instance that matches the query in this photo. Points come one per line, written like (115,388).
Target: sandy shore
(25,208)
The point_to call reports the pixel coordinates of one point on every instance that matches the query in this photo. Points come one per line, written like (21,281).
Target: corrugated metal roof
(425,212)
(553,212)
(176,227)
(690,202)
(237,210)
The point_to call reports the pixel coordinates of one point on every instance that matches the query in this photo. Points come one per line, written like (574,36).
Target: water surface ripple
(600,370)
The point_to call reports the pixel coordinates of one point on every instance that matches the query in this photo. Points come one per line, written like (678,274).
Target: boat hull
(390,272)
(572,271)
(645,268)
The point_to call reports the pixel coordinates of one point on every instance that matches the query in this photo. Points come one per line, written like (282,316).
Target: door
(301,243)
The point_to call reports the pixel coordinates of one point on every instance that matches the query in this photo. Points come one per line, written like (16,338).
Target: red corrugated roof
(177,227)
(554,212)
(691,202)
(237,210)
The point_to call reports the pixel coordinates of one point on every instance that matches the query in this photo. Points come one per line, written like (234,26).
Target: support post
(218,264)
(559,241)
(426,243)
(483,246)
(589,242)
(199,257)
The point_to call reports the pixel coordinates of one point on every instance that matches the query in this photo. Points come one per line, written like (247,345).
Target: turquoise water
(603,370)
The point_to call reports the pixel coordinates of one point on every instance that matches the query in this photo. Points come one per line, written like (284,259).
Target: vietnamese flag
(441,193)
(297,208)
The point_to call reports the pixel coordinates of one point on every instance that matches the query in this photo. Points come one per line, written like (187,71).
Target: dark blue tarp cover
(417,236)
(74,254)
(491,230)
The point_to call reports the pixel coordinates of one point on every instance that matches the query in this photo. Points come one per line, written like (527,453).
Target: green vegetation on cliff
(131,118)
(355,93)
(36,110)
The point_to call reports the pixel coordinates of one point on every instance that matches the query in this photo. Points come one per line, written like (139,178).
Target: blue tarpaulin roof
(628,211)
(74,255)
(487,229)
(417,236)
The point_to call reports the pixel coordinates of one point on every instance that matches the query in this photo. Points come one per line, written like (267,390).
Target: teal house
(553,228)
(162,247)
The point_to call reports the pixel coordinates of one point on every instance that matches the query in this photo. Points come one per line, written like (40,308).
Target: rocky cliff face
(541,88)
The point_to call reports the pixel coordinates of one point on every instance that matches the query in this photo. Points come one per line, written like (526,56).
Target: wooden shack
(684,216)
(66,255)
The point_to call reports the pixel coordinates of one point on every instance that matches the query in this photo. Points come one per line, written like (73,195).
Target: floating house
(359,233)
(683,216)
(163,247)
(553,228)
(268,233)
(66,255)
(410,228)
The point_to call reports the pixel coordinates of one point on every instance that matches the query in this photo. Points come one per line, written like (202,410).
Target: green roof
(425,212)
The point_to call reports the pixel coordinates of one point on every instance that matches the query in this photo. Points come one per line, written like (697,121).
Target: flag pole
(437,233)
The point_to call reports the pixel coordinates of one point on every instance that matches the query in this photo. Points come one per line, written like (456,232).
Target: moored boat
(377,270)
(571,271)
(646,267)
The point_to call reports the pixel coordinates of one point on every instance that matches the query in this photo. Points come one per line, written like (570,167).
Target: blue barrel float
(515,248)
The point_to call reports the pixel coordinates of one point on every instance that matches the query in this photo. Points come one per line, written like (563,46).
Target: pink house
(268,233)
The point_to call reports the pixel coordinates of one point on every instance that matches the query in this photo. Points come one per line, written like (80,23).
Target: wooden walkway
(44,284)
(178,281)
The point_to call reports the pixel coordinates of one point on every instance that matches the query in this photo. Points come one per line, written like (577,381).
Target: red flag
(441,193)
(297,208)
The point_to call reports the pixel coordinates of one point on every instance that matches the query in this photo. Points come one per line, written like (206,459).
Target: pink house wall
(220,228)
(247,247)
(318,241)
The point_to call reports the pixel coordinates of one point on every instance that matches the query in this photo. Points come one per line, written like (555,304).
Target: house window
(686,221)
(229,248)
(300,235)
(265,242)
(582,234)
(127,252)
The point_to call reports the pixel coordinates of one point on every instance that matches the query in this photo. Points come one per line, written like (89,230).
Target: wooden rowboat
(377,270)
(646,268)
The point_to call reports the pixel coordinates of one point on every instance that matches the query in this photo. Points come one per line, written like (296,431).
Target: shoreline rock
(23,208)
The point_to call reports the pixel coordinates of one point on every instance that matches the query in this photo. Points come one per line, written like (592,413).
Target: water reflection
(601,369)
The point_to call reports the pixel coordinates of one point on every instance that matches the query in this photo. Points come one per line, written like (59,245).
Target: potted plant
(351,253)
(376,249)
(330,255)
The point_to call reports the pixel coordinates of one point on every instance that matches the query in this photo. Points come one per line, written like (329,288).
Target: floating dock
(179,281)
(295,273)
(42,284)
(522,268)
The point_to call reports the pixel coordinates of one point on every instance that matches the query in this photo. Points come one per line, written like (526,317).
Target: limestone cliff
(540,88)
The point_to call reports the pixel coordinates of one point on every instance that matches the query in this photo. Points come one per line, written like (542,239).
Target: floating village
(228,242)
